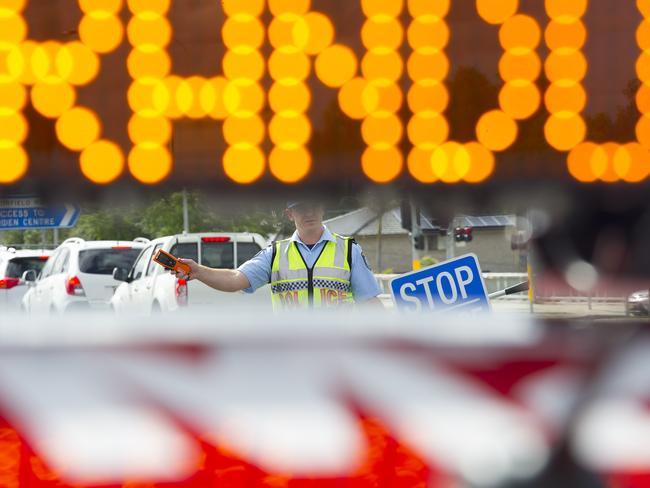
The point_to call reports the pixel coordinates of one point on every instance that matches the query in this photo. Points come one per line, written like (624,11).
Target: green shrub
(428,261)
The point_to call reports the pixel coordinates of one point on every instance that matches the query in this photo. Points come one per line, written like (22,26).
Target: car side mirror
(121,274)
(29,276)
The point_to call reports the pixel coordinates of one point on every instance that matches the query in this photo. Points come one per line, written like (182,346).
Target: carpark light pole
(186,217)
(451,242)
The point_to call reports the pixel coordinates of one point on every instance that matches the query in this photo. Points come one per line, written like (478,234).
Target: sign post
(456,285)
(21,213)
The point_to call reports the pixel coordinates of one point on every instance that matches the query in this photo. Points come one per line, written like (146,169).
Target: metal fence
(499,281)
(493,281)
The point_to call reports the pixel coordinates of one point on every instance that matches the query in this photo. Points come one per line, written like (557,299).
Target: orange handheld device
(168,261)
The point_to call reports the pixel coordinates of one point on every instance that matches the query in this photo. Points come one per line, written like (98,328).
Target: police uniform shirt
(363,282)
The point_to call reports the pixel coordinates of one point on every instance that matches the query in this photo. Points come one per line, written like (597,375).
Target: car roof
(195,236)
(25,253)
(104,244)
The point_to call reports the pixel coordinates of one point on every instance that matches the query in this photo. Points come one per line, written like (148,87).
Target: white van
(148,288)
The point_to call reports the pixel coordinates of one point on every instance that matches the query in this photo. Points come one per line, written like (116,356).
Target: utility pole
(409,216)
(379,238)
(451,245)
(529,264)
(416,235)
(186,217)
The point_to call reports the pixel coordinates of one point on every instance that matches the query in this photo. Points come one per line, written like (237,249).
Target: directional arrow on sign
(72,211)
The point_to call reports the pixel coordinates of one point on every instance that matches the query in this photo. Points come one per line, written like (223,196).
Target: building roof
(350,223)
(390,225)
(487,221)
(364,222)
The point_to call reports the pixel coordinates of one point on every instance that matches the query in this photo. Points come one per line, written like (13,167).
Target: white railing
(500,281)
(493,281)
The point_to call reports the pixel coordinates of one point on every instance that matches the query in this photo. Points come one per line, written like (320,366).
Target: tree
(471,94)
(339,133)
(161,216)
(599,127)
(165,216)
(628,115)
(622,128)
(108,224)
(28,237)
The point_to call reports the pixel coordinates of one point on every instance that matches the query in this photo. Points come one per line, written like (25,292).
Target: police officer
(314,268)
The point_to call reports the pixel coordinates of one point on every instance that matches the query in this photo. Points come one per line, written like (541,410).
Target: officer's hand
(194,270)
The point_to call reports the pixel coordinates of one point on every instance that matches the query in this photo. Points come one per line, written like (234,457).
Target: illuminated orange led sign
(53,70)
(565,99)
(303,42)
(434,157)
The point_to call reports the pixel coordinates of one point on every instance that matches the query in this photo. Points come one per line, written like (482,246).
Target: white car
(148,288)
(79,275)
(13,265)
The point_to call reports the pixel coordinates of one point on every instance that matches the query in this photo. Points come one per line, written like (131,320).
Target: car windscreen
(217,254)
(17,266)
(103,261)
(185,250)
(245,251)
(220,254)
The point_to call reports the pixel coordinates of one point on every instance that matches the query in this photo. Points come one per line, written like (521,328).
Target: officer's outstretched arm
(373,302)
(219,279)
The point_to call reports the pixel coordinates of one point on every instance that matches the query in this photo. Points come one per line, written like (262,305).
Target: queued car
(147,288)
(638,303)
(13,265)
(79,275)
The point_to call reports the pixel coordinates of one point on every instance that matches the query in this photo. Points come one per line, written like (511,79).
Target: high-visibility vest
(326,284)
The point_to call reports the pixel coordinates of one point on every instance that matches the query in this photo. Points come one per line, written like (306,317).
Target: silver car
(638,303)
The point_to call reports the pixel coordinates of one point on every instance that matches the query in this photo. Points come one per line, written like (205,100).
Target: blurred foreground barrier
(257,401)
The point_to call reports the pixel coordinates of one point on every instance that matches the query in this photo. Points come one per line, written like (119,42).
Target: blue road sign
(29,213)
(456,285)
